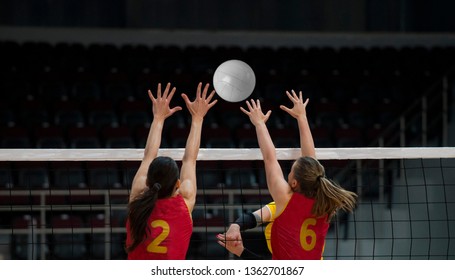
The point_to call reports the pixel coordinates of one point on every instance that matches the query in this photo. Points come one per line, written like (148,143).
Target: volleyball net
(72,203)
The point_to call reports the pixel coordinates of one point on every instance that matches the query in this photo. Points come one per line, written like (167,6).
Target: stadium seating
(68,83)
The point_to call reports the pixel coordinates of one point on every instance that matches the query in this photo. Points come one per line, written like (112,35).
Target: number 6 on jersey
(307,233)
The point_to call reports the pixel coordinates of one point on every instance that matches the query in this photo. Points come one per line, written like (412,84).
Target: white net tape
(222,154)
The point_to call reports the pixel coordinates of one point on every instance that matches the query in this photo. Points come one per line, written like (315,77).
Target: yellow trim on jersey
(272,208)
(268,229)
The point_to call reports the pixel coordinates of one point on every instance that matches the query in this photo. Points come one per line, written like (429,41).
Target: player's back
(296,233)
(169,227)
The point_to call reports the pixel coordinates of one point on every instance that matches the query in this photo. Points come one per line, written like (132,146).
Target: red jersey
(296,233)
(170,228)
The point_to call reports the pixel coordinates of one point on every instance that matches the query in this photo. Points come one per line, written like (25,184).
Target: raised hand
(299,108)
(201,104)
(255,113)
(161,109)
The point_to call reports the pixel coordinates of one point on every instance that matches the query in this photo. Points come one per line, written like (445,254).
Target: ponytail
(138,213)
(328,195)
(331,197)
(162,175)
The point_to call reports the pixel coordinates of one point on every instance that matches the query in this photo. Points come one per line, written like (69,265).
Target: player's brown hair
(162,176)
(329,196)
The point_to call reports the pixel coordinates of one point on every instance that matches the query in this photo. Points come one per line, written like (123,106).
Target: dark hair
(328,195)
(162,176)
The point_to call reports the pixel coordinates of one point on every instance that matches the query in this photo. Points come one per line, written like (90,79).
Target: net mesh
(71,204)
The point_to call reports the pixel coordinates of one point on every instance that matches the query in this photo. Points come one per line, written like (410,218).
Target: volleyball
(234,80)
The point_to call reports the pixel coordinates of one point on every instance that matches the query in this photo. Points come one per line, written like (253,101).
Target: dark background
(295,15)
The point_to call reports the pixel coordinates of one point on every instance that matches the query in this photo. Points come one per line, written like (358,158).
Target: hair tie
(320,177)
(156,187)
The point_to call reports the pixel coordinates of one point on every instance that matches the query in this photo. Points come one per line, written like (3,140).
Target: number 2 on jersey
(154,246)
(306,233)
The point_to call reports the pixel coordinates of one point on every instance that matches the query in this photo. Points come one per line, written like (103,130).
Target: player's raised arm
(278,186)
(198,109)
(298,111)
(161,111)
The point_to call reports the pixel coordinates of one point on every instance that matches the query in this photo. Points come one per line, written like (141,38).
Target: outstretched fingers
(167,94)
(158,91)
(250,108)
(301,95)
(171,94)
(163,94)
(290,96)
(293,97)
(210,97)
(266,117)
(198,91)
(186,99)
(204,92)
(286,109)
(299,105)
(211,103)
(201,103)
(175,109)
(253,103)
(306,102)
(244,111)
(151,96)
(161,108)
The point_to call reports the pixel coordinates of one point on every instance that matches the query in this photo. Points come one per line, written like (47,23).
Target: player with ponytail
(162,198)
(303,204)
